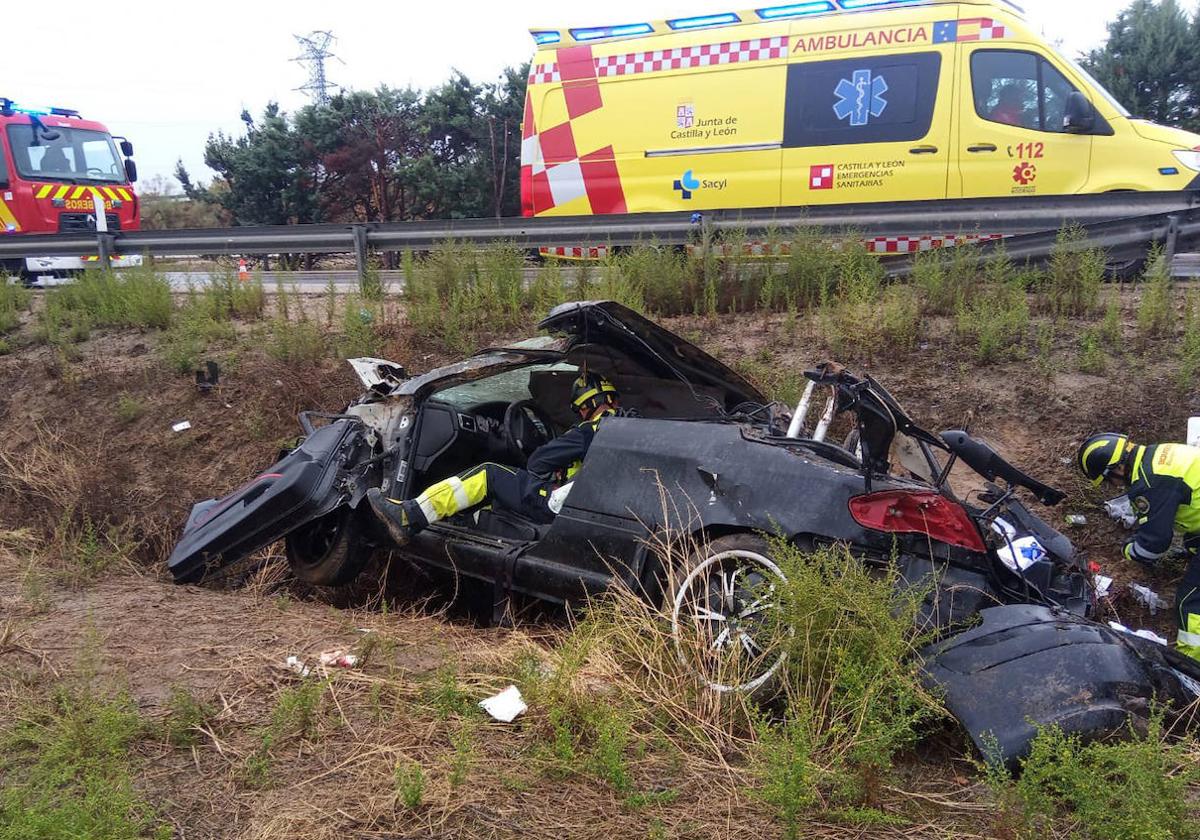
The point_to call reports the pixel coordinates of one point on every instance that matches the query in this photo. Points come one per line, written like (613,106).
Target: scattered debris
(1147,597)
(1021,553)
(295,663)
(1076,519)
(1121,510)
(181,426)
(506,705)
(1145,634)
(338,659)
(1103,586)
(207,378)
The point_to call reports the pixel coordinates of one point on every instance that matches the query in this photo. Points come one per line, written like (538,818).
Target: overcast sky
(166,74)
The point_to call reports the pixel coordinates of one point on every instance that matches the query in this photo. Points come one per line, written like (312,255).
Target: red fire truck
(56,168)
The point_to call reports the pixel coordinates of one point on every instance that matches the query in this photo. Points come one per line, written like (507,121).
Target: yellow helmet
(1100,453)
(591,390)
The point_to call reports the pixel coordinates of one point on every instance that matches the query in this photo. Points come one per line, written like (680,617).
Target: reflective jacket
(1163,491)
(559,460)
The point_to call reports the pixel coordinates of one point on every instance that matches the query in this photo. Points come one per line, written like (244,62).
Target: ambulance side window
(873,99)
(1020,89)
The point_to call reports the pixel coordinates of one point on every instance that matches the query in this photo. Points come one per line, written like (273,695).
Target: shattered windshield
(509,386)
(75,156)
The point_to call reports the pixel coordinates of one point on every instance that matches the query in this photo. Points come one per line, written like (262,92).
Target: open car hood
(659,350)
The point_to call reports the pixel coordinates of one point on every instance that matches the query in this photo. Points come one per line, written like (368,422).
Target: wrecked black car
(710,464)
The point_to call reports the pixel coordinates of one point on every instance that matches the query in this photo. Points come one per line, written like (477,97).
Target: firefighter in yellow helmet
(526,491)
(1163,483)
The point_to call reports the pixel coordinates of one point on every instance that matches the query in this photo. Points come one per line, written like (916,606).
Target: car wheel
(329,551)
(722,621)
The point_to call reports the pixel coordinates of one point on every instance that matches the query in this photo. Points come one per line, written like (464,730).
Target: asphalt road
(345,281)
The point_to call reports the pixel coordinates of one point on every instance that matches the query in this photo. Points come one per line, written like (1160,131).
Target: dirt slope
(88,461)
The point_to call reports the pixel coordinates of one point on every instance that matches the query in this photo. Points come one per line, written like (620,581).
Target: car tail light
(917,512)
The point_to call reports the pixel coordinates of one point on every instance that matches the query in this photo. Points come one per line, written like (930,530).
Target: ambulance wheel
(329,551)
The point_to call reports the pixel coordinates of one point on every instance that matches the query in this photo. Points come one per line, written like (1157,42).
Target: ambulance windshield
(73,155)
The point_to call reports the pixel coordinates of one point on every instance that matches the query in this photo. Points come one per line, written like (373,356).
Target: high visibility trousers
(469,489)
(1187,599)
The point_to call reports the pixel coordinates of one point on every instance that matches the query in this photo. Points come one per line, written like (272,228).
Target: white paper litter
(181,426)
(338,659)
(1103,586)
(1147,597)
(295,663)
(1145,634)
(506,705)
(1027,549)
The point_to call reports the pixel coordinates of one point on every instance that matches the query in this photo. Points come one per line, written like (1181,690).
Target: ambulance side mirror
(131,171)
(1080,116)
(126,148)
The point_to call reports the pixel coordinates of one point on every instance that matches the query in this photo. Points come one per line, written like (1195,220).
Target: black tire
(330,551)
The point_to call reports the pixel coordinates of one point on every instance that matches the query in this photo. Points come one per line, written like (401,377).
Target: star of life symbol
(685,116)
(861,97)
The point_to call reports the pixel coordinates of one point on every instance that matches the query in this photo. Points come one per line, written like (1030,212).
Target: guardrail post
(360,253)
(104,246)
(1172,243)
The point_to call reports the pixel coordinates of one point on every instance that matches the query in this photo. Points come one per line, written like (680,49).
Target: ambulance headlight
(1189,158)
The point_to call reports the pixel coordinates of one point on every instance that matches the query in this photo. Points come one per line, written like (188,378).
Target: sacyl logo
(686,185)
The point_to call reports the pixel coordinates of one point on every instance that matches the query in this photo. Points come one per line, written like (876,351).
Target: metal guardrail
(1122,240)
(1139,214)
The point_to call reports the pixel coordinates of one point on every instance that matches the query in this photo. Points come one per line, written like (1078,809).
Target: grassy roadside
(618,738)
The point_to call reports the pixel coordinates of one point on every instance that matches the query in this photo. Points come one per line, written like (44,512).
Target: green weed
(448,698)
(996,319)
(409,780)
(137,297)
(298,342)
(1110,328)
(129,408)
(463,741)
(851,681)
(360,336)
(1076,274)
(1091,356)
(14,299)
(67,770)
(186,716)
(1156,312)
(195,330)
(1118,790)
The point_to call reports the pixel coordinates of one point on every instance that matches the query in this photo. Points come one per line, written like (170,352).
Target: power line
(315,47)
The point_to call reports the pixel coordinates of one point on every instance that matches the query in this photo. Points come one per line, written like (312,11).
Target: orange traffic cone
(243,272)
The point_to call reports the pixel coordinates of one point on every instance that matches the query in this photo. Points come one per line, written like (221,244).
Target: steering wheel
(526,427)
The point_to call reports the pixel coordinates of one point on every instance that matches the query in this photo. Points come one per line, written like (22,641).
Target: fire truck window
(98,156)
(873,99)
(76,154)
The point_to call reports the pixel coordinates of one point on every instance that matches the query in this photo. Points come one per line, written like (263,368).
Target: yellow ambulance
(826,102)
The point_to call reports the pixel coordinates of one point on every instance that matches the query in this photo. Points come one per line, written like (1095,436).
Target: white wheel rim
(693,616)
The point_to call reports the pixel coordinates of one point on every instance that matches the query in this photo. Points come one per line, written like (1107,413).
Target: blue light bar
(796,10)
(548,37)
(703,20)
(851,5)
(596,33)
(25,109)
